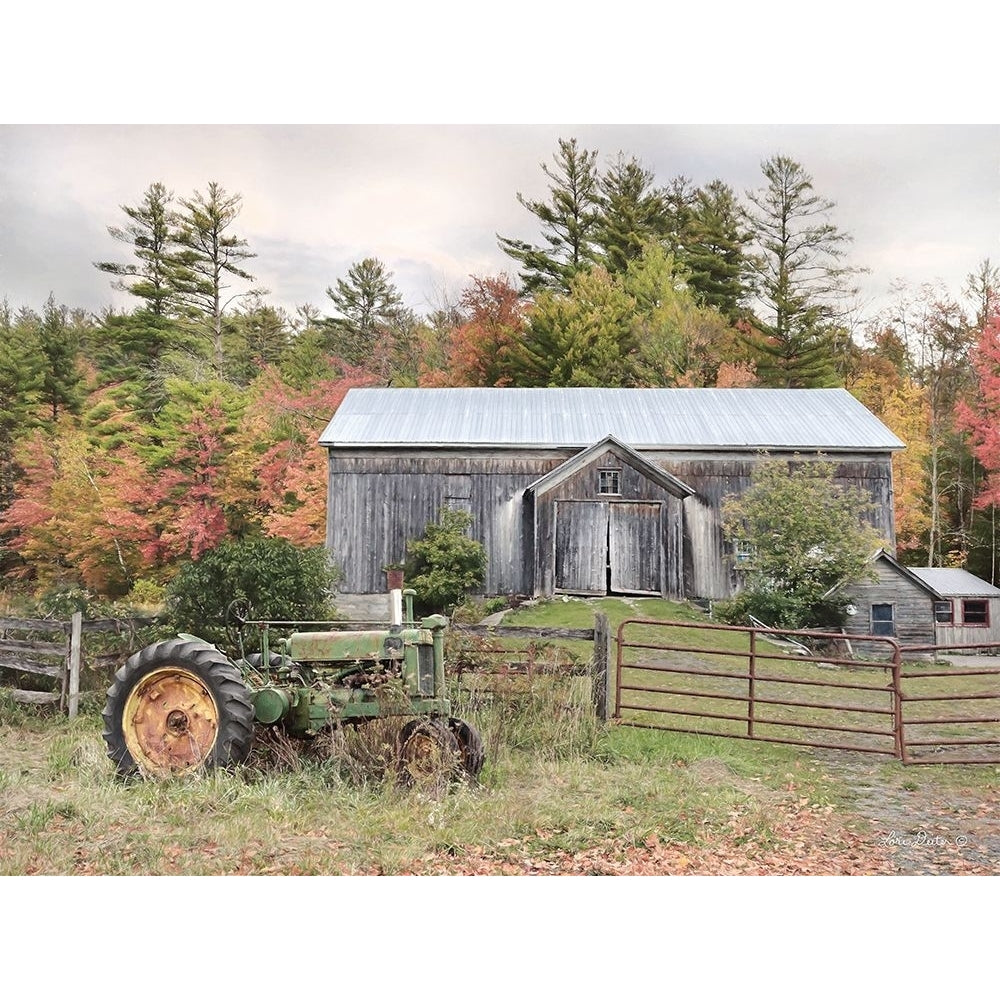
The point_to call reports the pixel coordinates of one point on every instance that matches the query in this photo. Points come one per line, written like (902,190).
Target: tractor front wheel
(174,707)
(470,745)
(429,754)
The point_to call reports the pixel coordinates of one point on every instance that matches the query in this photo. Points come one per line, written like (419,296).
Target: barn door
(581,547)
(635,548)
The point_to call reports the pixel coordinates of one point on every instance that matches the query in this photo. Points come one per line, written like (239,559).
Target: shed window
(883,622)
(976,613)
(743,551)
(609,482)
(944,613)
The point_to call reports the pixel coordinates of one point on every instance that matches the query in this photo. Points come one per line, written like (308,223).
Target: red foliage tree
(981,419)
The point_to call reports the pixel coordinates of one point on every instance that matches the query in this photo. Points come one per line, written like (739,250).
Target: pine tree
(633,213)
(368,303)
(713,251)
(151,238)
(58,343)
(585,338)
(569,220)
(797,277)
(209,256)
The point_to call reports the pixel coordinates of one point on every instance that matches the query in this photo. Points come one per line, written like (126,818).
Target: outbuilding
(581,490)
(923,606)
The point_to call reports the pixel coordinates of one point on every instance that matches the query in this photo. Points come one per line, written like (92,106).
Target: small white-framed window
(743,551)
(609,482)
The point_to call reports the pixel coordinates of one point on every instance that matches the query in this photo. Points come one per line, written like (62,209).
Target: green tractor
(182,705)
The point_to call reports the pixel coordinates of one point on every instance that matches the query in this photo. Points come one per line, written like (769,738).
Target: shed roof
(687,419)
(954,582)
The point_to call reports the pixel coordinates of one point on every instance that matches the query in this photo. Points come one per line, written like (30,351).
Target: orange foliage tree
(276,471)
(478,347)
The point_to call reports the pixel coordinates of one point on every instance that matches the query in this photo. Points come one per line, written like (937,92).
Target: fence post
(600,671)
(73,666)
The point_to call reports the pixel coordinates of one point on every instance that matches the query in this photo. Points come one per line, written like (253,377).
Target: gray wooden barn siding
(710,571)
(377,503)
(378,499)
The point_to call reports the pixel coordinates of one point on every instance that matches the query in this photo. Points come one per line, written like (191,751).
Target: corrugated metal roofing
(825,419)
(954,582)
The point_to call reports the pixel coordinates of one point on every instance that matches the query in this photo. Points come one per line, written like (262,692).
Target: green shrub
(780,609)
(271,576)
(445,564)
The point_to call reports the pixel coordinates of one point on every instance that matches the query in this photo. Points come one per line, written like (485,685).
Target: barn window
(609,482)
(975,612)
(944,613)
(743,551)
(883,622)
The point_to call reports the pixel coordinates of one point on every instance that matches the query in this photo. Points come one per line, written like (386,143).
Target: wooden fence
(504,640)
(54,649)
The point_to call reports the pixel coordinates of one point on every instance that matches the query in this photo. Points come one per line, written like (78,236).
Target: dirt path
(929,827)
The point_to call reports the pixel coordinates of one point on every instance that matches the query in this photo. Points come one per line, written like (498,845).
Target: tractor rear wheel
(175,707)
(470,745)
(429,754)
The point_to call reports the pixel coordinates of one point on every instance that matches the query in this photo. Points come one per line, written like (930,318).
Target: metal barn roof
(750,419)
(954,582)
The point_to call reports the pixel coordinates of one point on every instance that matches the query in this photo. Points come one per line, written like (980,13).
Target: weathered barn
(583,491)
(923,606)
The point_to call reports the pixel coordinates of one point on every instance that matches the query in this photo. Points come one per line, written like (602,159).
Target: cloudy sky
(922,202)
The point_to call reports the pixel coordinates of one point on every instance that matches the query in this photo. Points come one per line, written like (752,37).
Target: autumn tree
(20,392)
(569,219)
(938,338)
(980,418)
(492,322)
(797,274)
(275,477)
(72,521)
(982,287)
(678,342)
(882,383)
(210,255)
(803,533)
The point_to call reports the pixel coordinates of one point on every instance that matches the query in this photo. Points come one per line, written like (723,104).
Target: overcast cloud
(922,202)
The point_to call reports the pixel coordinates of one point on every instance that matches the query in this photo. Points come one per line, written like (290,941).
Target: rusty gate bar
(755,659)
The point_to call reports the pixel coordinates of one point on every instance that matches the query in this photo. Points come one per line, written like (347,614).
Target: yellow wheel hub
(170,722)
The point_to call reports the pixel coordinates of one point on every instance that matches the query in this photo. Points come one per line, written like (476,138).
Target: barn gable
(608,521)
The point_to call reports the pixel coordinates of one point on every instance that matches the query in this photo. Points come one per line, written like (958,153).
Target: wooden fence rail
(599,635)
(23,649)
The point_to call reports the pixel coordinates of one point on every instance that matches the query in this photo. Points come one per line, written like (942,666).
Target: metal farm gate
(810,689)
